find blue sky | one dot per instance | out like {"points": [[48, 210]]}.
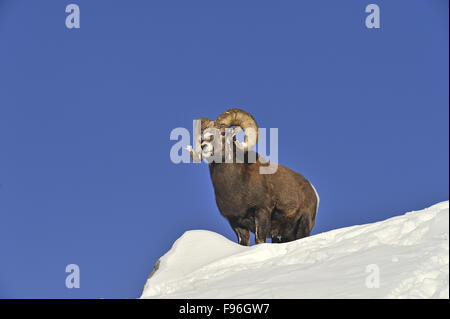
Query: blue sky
{"points": [[86, 114]]}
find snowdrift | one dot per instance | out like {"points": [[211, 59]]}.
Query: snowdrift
{"points": [[402, 257]]}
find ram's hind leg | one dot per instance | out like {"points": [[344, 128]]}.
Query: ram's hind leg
{"points": [[304, 227], [262, 226]]}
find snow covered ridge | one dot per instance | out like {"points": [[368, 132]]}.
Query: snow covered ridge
{"points": [[402, 257]]}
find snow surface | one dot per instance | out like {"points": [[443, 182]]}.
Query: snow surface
{"points": [[407, 255]]}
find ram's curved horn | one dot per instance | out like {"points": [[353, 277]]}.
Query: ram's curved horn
{"points": [[238, 117], [205, 123]]}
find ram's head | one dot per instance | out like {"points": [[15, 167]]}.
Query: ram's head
{"points": [[217, 137]]}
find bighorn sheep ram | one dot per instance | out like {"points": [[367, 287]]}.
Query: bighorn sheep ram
{"points": [[282, 205]]}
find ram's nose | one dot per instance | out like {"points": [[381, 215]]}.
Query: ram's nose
{"points": [[207, 149]]}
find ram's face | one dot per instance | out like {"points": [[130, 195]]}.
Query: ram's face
{"points": [[215, 141], [219, 137], [208, 143]]}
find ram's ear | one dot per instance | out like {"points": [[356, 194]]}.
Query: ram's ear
{"points": [[235, 130]]}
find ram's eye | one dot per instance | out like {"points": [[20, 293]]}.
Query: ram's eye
{"points": [[208, 136]]}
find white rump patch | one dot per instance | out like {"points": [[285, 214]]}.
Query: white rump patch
{"points": [[317, 196]]}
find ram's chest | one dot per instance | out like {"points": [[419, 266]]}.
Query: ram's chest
{"points": [[232, 191], [231, 196]]}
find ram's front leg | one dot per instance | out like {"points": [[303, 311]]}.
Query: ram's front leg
{"points": [[243, 235], [262, 226]]}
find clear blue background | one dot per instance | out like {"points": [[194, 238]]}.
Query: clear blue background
{"points": [[85, 118]]}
